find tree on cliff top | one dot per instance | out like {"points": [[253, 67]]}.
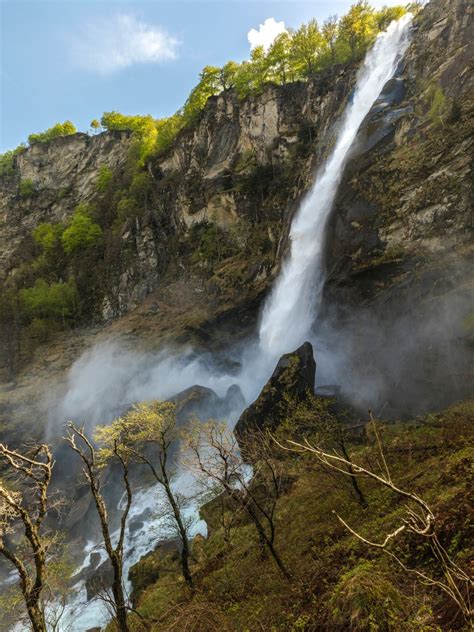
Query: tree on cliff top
{"points": [[60, 129]]}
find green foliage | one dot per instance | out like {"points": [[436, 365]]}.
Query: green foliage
{"points": [[209, 243], [7, 161], [209, 84], [387, 15], [358, 28], [143, 129], [438, 104], [60, 129], [81, 232], [365, 599], [55, 301], [167, 130], [104, 179], [27, 188], [48, 237], [305, 50]]}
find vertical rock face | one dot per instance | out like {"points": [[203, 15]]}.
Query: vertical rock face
{"points": [[238, 168], [63, 172], [214, 232], [406, 192], [294, 377]]}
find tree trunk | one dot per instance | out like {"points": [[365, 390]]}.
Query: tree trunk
{"points": [[355, 484], [119, 597], [185, 551], [36, 615]]}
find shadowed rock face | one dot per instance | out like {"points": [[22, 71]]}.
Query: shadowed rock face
{"points": [[294, 375], [203, 403]]}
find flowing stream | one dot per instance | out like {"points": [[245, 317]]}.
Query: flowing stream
{"points": [[290, 309], [292, 306]]}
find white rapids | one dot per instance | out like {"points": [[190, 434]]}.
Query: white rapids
{"points": [[288, 313]]}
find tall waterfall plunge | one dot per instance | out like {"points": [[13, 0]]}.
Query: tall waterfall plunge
{"points": [[292, 306], [286, 321]]}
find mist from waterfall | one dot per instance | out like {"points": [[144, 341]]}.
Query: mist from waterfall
{"points": [[107, 378], [292, 306]]}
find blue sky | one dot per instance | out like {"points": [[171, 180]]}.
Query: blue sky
{"points": [[75, 59]]}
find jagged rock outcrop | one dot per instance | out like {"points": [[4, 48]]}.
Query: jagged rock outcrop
{"points": [[63, 172], [294, 376], [400, 227], [203, 403], [405, 201]]}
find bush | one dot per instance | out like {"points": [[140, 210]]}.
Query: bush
{"points": [[48, 237], [27, 188], [55, 301], [60, 129], [7, 161], [82, 232], [365, 599], [104, 179], [438, 104], [143, 129]]}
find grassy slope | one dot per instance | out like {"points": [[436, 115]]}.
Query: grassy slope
{"points": [[338, 583]]}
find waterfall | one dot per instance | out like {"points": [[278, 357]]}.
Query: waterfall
{"points": [[286, 321], [293, 304]]}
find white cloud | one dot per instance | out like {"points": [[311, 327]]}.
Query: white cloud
{"points": [[266, 33], [121, 41]]}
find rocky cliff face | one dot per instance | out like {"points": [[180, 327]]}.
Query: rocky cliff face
{"points": [[406, 197], [212, 236], [62, 174]]}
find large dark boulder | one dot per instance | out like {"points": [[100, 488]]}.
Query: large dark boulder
{"points": [[203, 403], [294, 375], [195, 402]]}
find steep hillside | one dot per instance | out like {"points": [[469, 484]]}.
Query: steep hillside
{"points": [[193, 241]]}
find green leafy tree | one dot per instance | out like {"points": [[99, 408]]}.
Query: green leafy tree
{"points": [[228, 74], [253, 74], [82, 232], [306, 46], [104, 179], [278, 58], [330, 33], [209, 84], [387, 15], [60, 129], [7, 160], [358, 28], [95, 125], [143, 129], [48, 237], [167, 130], [55, 301]]}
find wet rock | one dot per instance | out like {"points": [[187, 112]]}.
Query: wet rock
{"points": [[137, 523], [195, 401], [234, 400], [99, 580], [294, 375], [147, 570]]}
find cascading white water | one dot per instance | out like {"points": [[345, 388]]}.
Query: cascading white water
{"points": [[287, 317], [292, 306]]}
